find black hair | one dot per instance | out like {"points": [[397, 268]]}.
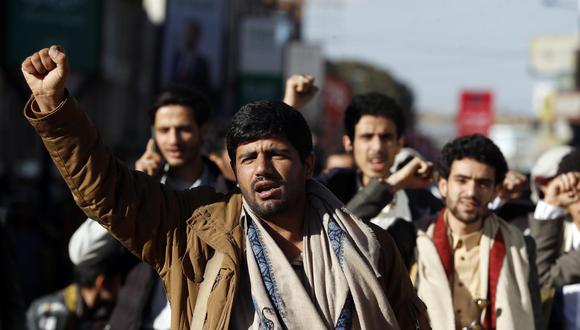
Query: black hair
{"points": [[374, 104], [266, 119], [184, 96], [477, 147], [570, 162]]}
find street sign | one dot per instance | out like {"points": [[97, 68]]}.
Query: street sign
{"points": [[476, 112]]}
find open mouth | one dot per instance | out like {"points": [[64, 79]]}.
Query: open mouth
{"points": [[377, 164], [267, 189]]}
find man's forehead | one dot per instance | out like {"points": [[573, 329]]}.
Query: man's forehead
{"points": [[372, 122], [470, 167], [266, 143], [174, 112]]}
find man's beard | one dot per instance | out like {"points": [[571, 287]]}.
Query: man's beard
{"points": [[268, 211], [467, 218], [268, 208]]}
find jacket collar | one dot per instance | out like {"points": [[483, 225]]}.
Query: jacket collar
{"points": [[218, 225]]}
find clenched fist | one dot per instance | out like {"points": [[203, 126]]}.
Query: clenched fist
{"points": [[416, 174], [563, 190], [299, 90], [46, 72]]}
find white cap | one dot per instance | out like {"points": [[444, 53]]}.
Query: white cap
{"points": [[547, 167], [91, 244]]}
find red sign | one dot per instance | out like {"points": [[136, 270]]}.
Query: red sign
{"points": [[476, 112], [337, 94]]}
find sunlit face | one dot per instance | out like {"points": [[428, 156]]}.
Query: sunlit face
{"points": [[177, 135], [468, 190], [271, 176], [374, 147]]}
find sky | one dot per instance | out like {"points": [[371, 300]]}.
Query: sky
{"points": [[441, 47]]}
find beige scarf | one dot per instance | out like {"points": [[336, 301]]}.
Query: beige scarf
{"points": [[513, 304], [340, 257]]}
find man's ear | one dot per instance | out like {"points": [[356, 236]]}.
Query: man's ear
{"points": [[442, 184], [309, 165], [347, 143]]}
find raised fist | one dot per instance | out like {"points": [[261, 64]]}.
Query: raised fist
{"points": [[46, 72], [416, 174], [563, 190], [300, 90]]}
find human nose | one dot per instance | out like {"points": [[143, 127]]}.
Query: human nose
{"points": [[375, 143], [470, 188], [263, 165], [173, 136]]}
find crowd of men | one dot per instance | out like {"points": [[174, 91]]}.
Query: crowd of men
{"points": [[242, 234]]}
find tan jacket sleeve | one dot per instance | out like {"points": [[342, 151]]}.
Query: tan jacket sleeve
{"points": [[148, 218]]}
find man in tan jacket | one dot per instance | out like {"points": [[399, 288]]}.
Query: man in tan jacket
{"points": [[283, 253]]}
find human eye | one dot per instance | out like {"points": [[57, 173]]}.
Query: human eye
{"points": [[278, 154], [247, 158], [387, 137], [162, 130], [365, 136], [185, 129], [485, 184]]}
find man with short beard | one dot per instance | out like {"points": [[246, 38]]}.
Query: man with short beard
{"points": [[282, 254], [473, 268]]}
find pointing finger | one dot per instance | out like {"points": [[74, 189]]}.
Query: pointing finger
{"points": [[150, 146]]}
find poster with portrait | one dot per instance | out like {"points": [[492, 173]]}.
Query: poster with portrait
{"points": [[193, 44]]}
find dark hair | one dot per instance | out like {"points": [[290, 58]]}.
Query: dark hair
{"points": [[570, 162], [374, 104], [266, 119], [184, 96], [477, 147]]}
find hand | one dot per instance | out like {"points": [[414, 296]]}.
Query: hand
{"points": [[563, 190], [417, 173], [46, 72], [300, 90], [513, 185], [151, 161]]}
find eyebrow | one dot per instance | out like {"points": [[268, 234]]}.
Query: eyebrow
{"points": [[480, 180], [268, 151], [383, 134]]}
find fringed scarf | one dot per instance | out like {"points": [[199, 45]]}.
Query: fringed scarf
{"points": [[340, 256]]}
